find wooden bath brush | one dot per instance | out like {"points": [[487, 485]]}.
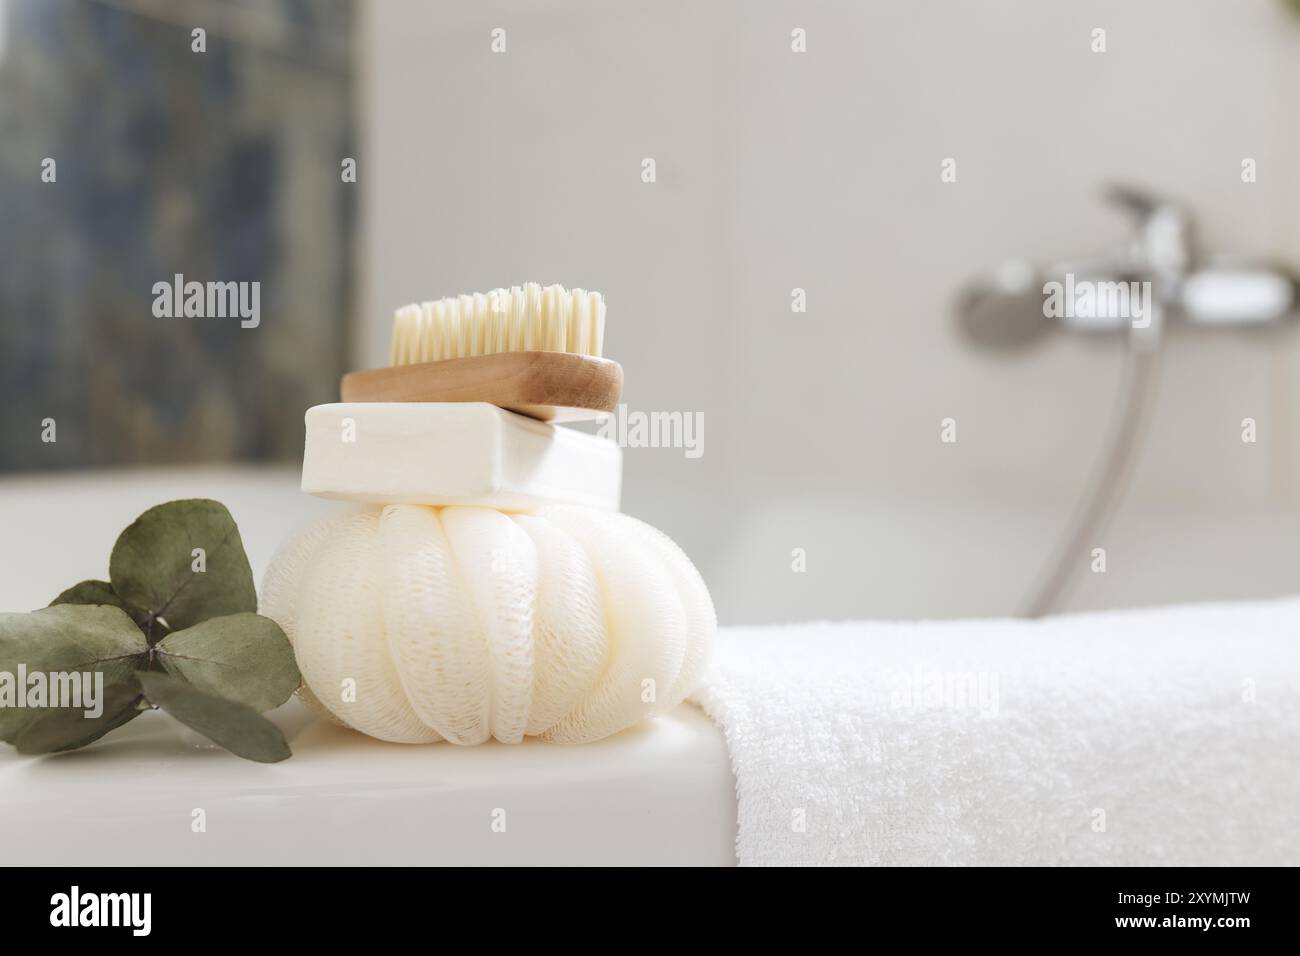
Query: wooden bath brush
{"points": [[529, 349]]}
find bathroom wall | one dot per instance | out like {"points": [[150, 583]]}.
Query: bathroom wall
{"points": [[820, 170]]}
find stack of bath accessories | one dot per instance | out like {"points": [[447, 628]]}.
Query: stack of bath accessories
{"points": [[483, 584]]}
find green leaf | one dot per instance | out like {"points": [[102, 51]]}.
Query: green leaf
{"points": [[240, 729], [91, 592], [152, 563], [65, 638], [67, 728], [241, 657], [101, 592]]}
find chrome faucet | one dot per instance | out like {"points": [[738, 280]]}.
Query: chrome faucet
{"points": [[1011, 308], [1159, 278]]}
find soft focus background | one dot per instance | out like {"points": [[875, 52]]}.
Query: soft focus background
{"points": [[220, 166], [775, 171]]}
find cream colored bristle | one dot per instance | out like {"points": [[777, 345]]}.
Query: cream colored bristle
{"points": [[522, 318]]}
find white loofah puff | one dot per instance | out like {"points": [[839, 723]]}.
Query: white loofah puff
{"points": [[415, 624]]}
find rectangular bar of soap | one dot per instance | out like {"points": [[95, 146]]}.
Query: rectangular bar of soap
{"points": [[455, 453]]}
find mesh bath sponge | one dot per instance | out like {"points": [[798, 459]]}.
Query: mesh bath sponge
{"points": [[416, 624]]}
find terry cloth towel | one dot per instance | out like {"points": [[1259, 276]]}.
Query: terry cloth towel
{"points": [[1165, 736]]}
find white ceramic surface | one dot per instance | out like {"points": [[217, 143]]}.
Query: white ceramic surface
{"points": [[659, 793]]}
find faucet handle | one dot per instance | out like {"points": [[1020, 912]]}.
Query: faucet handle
{"points": [[1163, 245]]}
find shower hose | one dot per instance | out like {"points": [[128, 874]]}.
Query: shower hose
{"points": [[1102, 495]]}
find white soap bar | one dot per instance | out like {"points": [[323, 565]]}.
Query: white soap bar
{"points": [[455, 453]]}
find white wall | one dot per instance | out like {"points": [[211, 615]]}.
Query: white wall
{"points": [[821, 171]]}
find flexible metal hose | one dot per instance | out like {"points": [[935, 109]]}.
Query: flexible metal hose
{"points": [[1097, 504]]}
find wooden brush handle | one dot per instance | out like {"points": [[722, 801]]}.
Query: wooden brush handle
{"points": [[550, 386]]}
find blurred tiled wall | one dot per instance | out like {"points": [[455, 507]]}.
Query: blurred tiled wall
{"points": [[222, 165]]}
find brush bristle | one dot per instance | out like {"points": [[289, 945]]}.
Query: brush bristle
{"points": [[530, 318]]}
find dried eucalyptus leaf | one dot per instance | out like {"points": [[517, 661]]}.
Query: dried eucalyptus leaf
{"points": [[101, 592], [241, 657], [240, 729], [65, 728], [91, 592], [183, 561], [63, 639]]}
